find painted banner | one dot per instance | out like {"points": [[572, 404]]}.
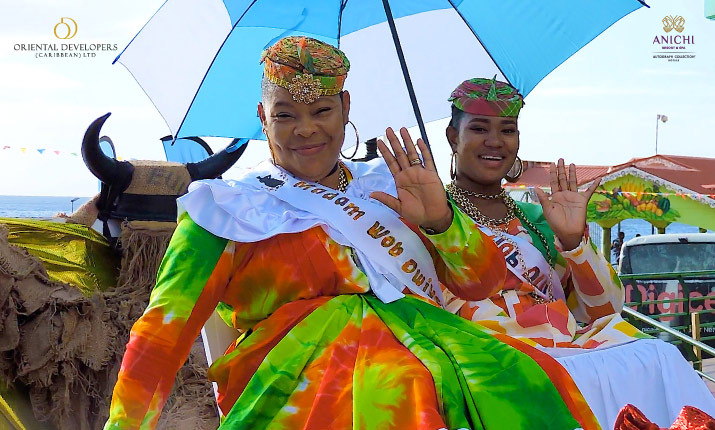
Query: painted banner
{"points": [[631, 196]]}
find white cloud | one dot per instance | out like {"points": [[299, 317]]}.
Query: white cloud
{"points": [[591, 91], [18, 77], [674, 73]]}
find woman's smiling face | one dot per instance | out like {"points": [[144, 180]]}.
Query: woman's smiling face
{"points": [[305, 139], [486, 147]]}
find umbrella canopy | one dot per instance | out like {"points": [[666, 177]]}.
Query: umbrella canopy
{"points": [[198, 61]]}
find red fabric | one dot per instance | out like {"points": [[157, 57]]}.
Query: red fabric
{"points": [[631, 418], [690, 418]]}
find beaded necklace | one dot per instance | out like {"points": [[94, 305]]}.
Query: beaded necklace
{"points": [[343, 179]]}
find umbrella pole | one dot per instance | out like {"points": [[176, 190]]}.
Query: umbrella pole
{"points": [[406, 73]]}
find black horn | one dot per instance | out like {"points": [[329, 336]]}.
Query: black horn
{"points": [[203, 144], [218, 163], [101, 166]]}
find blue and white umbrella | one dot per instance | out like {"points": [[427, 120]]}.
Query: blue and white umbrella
{"points": [[198, 60]]}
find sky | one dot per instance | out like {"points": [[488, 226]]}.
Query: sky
{"points": [[599, 107]]}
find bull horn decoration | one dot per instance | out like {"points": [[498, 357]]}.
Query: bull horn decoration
{"points": [[218, 163], [101, 166]]}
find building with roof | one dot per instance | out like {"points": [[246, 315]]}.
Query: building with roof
{"points": [[659, 189]]}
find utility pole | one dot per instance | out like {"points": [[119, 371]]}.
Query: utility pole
{"points": [[659, 118]]}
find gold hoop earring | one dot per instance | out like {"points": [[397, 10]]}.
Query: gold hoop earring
{"points": [[516, 171], [357, 143], [453, 167]]}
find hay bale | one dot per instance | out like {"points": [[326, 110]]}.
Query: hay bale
{"points": [[67, 347]]}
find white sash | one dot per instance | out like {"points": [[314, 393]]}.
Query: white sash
{"points": [[267, 201], [537, 267]]}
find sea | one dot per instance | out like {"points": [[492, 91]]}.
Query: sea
{"points": [[47, 207], [38, 206]]}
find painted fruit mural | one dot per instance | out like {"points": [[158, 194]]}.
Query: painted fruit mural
{"points": [[633, 199]]}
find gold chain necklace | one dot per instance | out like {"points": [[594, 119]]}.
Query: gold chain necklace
{"points": [[501, 195], [459, 196]]}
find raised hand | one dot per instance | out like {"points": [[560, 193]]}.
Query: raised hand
{"points": [[565, 208], [421, 198]]}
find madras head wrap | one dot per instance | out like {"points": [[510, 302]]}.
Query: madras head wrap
{"points": [[489, 97], [306, 67]]}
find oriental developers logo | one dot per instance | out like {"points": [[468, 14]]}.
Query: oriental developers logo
{"points": [[673, 46], [64, 29]]}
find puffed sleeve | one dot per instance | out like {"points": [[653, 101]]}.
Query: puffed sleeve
{"points": [[190, 283], [595, 289]]}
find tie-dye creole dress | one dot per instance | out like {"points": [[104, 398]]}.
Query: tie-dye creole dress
{"points": [[587, 316], [319, 350], [583, 329]]}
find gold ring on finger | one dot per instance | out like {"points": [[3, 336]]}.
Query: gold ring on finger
{"points": [[415, 162]]}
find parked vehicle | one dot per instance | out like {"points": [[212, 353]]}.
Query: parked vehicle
{"points": [[668, 253], [670, 277]]}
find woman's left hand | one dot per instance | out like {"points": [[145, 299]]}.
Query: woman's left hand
{"points": [[421, 198], [565, 208]]}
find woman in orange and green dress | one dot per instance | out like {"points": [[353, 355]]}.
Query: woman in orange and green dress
{"points": [[338, 300], [549, 287]]}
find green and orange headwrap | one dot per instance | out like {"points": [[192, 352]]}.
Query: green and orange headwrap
{"points": [[489, 97], [306, 67]]}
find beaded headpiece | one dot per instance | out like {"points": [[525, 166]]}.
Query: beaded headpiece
{"points": [[306, 67]]}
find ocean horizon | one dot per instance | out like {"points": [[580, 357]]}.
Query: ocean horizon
{"points": [[50, 206], [38, 206]]}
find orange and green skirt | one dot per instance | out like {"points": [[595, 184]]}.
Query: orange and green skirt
{"points": [[353, 362]]}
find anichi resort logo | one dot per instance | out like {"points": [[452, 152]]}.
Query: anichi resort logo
{"points": [[673, 46], [64, 29], [671, 23]]}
